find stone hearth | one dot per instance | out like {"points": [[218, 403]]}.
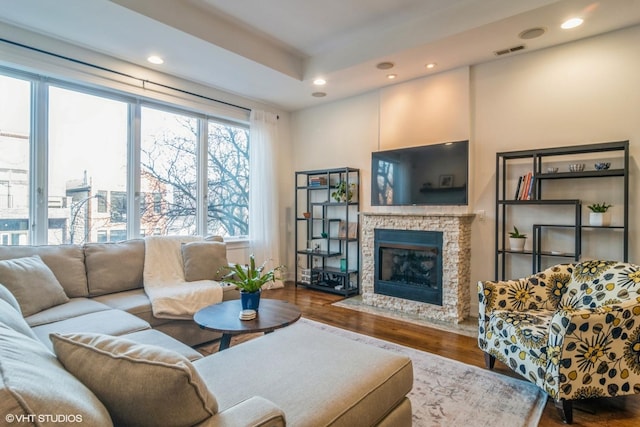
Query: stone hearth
{"points": [[456, 255]]}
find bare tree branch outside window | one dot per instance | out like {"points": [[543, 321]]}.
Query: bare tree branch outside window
{"points": [[170, 178]]}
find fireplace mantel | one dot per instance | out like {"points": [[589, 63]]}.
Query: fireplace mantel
{"points": [[427, 215], [456, 229]]}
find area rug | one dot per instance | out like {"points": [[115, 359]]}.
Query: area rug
{"points": [[450, 393]]}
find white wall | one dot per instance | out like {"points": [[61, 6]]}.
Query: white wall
{"points": [[425, 111], [583, 92]]}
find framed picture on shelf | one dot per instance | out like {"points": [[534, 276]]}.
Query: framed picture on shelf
{"points": [[446, 181], [348, 231]]}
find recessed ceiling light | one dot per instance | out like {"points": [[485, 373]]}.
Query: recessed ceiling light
{"points": [[571, 23], [319, 94], [154, 59], [385, 65], [319, 82], [431, 65], [391, 76], [532, 33]]}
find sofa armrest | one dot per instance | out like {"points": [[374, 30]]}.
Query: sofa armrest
{"points": [[253, 412]]}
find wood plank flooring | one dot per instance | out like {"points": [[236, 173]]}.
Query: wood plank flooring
{"points": [[315, 305]]}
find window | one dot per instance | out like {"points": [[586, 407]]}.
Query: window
{"points": [[118, 235], [169, 171], [157, 203], [87, 149], [107, 178], [15, 122], [101, 198], [228, 180], [118, 206]]}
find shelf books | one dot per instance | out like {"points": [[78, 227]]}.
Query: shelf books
{"points": [[317, 181], [524, 190]]}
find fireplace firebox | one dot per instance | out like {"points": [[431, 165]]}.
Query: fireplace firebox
{"points": [[408, 264]]}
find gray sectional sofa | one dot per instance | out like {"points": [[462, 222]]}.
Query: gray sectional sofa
{"points": [[103, 282], [94, 354]]}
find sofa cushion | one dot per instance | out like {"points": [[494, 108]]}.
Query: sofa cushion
{"points": [[140, 384], [155, 337], [33, 384], [114, 267], [205, 260], [110, 322], [33, 284], [352, 383], [74, 308], [135, 302], [66, 262]]}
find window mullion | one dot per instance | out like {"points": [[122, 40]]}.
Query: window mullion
{"points": [[133, 169], [39, 195], [202, 184]]}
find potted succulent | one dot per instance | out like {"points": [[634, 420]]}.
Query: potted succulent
{"points": [[516, 240], [342, 193], [599, 216], [249, 281]]}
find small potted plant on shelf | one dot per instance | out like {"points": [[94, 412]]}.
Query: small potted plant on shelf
{"points": [[599, 216], [249, 281], [516, 240], [342, 193]]}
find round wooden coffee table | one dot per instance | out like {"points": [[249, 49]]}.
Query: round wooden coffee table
{"points": [[223, 317]]}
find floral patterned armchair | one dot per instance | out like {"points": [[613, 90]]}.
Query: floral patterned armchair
{"points": [[573, 329]]}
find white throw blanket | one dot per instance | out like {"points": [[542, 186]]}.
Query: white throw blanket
{"points": [[164, 281]]}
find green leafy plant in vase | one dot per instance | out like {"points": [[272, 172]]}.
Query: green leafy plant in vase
{"points": [[343, 192], [599, 215], [249, 280], [516, 239]]}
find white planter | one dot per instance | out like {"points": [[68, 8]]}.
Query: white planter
{"points": [[516, 243], [599, 219]]}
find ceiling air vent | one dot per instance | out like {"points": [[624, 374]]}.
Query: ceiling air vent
{"points": [[509, 50]]}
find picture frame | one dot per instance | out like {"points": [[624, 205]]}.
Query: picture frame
{"points": [[348, 231], [446, 181]]}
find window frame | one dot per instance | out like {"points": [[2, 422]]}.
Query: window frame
{"points": [[38, 155]]}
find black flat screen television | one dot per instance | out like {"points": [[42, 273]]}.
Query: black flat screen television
{"points": [[426, 175]]}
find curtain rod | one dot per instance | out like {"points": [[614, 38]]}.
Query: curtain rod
{"points": [[120, 73]]}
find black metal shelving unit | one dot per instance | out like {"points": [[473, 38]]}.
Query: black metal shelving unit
{"points": [[327, 239], [542, 178]]}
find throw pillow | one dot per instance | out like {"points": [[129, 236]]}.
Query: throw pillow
{"points": [[32, 283], [140, 384], [33, 383], [204, 260]]}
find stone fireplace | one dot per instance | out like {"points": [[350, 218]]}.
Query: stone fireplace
{"points": [[423, 268]]}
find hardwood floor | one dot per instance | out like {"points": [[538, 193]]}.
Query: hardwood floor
{"points": [[613, 412]]}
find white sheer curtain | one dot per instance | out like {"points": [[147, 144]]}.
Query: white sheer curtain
{"points": [[264, 225]]}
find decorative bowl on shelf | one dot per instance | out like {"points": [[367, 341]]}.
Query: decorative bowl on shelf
{"points": [[552, 170], [600, 166], [576, 167], [306, 214]]}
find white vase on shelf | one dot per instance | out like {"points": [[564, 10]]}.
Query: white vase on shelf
{"points": [[517, 243], [599, 219]]}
